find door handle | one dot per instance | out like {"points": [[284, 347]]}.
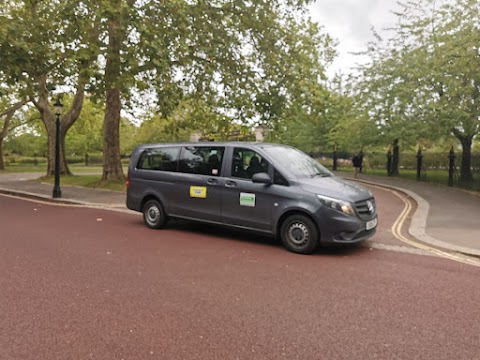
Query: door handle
{"points": [[212, 182], [230, 184]]}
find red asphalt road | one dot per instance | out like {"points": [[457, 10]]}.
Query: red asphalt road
{"points": [[80, 283]]}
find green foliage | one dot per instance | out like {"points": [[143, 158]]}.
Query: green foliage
{"points": [[234, 61], [476, 147], [128, 139], [85, 136], [26, 144], [40, 38], [27, 135], [423, 84]]}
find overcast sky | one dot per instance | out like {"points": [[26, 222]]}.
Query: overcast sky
{"points": [[350, 23]]}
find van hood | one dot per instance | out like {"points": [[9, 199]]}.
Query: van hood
{"points": [[335, 187]]}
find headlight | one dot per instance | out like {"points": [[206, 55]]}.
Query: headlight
{"points": [[336, 204]]}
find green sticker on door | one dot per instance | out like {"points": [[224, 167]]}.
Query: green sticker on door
{"points": [[247, 199]]}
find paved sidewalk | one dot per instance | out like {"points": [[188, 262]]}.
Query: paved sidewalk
{"points": [[445, 217], [24, 184]]}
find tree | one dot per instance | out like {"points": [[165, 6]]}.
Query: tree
{"points": [[423, 82], [45, 45], [352, 129], [242, 59], [229, 55], [292, 100], [456, 81]]}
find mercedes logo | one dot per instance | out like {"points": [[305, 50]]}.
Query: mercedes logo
{"points": [[370, 206]]}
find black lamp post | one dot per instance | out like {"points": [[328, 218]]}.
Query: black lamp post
{"points": [[57, 192]]}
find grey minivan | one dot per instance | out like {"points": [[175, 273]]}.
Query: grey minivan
{"points": [[269, 188]]}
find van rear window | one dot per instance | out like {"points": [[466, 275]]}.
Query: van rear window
{"points": [[163, 159]]}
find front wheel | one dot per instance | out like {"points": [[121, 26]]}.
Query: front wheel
{"points": [[299, 234], [154, 215]]}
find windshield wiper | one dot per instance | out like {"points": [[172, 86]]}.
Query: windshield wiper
{"points": [[320, 174]]}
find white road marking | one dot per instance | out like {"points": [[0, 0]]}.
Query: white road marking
{"points": [[398, 248]]}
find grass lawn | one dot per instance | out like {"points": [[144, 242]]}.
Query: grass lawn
{"points": [[23, 169], [87, 176], [91, 181]]}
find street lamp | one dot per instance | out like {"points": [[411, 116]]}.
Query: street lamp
{"points": [[58, 106]]}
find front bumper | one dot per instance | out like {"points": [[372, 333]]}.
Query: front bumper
{"points": [[336, 228]]}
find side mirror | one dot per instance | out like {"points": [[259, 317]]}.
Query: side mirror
{"points": [[262, 178]]}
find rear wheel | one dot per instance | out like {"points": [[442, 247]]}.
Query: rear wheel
{"points": [[153, 214], [299, 234]]}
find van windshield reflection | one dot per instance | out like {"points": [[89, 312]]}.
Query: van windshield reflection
{"points": [[300, 164]]}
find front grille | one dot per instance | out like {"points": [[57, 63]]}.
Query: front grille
{"points": [[366, 209]]}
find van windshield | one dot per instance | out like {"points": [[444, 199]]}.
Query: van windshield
{"points": [[300, 164]]}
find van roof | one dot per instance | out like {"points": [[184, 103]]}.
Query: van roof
{"points": [[212, 143]]}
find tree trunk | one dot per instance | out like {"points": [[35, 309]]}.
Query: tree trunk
{"points": [[2, 163], [112, 166], [466, 176]]}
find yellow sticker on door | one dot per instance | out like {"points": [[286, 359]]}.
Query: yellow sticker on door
{"points": [[198, 192], [247, 199]]}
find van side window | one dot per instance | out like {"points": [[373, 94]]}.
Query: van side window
{"points": [[246, 163], [163, 159], [201, 160]]}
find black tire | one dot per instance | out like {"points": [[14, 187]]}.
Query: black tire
{"points": [[299, 234], [154, 215]]}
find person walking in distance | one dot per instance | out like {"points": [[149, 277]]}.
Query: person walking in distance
{"points": [[357, 164]]}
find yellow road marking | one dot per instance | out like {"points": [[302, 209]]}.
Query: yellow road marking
{"points": [[397, 232]]}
